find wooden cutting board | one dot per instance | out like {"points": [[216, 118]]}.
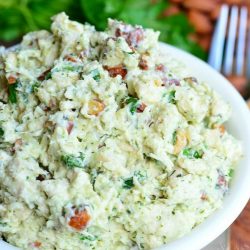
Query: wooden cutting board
{"points": [[240, 231]]}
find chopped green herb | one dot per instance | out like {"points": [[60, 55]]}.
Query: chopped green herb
{"points": [[72, 161], [88, 237], [12, 93], [35, 86], [48, 76], [1, 132], [96, 75], [174, 138], [171, 97], [206, 122], [231, 172], [191, 153], [128, 183], [133, 102], [71, 68]]}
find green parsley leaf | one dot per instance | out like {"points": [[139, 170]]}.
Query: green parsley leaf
{"points": [[35, 86], [174, 139], [128, 183], [133, 102], [88, 237], [72, 161], [1, 132], [96, 75], [231, 172], [191, 153], [12, 93], [171, 97]]}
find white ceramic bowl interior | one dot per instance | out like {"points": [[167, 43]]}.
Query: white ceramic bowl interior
{"points": [[239, 126]]}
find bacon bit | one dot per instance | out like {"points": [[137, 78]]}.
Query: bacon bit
{"points": [[160, 67], [11, 80], [117, 70], [141, 108], [222, 129], [36, 244], [204, 196], [80, 220], [190, 80], [43, 75], [70, 126], [18, 144], [41, 177], [132, 36], [49, 125], [143, 64], [135, 37], [173, 81], [70, 58], [95, 107], [52, 103], [222, 181]]}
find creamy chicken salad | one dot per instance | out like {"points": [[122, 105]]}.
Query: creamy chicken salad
{"points": [[106, 142]]}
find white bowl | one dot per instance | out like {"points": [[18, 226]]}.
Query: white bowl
{"points": [[239, 126]]}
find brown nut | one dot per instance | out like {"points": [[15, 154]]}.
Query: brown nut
{"points": [[215, 12], [240, 83], [201, 5], [171, 10], [181, 141], [204, 42], [201, 22], [95, 107]]}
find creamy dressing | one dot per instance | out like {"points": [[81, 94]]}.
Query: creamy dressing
{"points": [[106, 143]]}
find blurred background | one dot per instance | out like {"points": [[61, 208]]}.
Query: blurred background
{"points": [[187, 24]]}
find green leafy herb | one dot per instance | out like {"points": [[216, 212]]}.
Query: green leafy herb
{"points": [[72, 161], [19, 17], [171, 97], [71, 68], [34, 87], [88, 237], [12, 93], [96, 75], [174, 29], [191, 153], [1, 132], [128, 183], [133, 102], [48, 76], [174, 139], [231, 172]]}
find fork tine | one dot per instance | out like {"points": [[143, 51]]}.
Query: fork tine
{"points": [[241, 42], [218, 40], [231, 38], [248, 55]]}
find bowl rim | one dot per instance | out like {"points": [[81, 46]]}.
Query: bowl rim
{"points": [[233, 203]]}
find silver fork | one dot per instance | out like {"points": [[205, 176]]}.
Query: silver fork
{"points": [[229, 52]]}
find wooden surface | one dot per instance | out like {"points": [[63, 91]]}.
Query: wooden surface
{"points": [[240, 231]]}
